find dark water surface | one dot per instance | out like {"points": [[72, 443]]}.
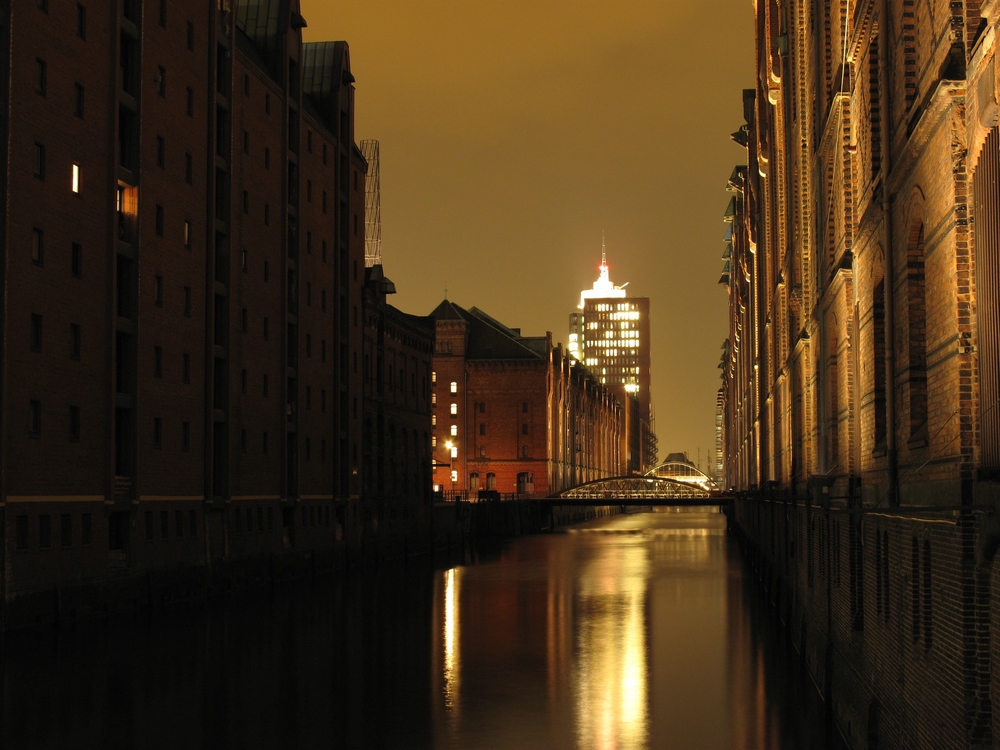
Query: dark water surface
{"points": [[638, 631]]}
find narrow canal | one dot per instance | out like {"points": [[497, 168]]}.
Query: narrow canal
{"points": [[638, 631]]}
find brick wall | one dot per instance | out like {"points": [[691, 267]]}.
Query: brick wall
{"points": [[894, 615]]}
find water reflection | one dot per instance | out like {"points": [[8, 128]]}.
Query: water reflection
{"points": [[609, 674], [451, 655], [633, 632]]}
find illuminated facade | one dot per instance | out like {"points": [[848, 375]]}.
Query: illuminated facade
{"points": [[515, 414], [609, 334], [860, 374]]}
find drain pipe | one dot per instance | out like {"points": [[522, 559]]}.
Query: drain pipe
{"points": [[890, 314]]}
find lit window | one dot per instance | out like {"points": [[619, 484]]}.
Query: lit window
{"points": [[454, 430], [76, 179], [454, 409], [434, 420], [454, 386], [454, 475], [434, 441], [454, 451], [434, 376]]}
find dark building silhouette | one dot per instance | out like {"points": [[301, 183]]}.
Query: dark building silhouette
{"points": [[397, 403], [184, 251]]}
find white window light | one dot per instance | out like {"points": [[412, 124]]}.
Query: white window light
{"points": [[454, 430], [76, 178], [454, 386], [454, 451], [454, 475], [454, 408]]}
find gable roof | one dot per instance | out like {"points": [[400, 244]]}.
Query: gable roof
{"points": [[488, 338]]}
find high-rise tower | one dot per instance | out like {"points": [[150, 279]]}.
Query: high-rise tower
{"points": [[609, 333]]}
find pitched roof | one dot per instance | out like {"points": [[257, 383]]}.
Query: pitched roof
{"points": [[446, 311], [488, 337]]}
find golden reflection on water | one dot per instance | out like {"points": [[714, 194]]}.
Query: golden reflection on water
{"points": [[628, 633], [451, 642], [609, 679]]}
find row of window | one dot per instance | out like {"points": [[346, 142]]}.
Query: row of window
{"points": [[252, 520], [491, 481], [482, 430], [38, 253], [42, 87], [35, 421], [161, 160], [67, 531], [157, 525], [525, 450], [480, 406], [36, 335], [35, 431], [179, 530], [40, 167], [81, 16]]}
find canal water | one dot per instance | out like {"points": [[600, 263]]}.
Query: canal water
{"points": [[637, 631]]}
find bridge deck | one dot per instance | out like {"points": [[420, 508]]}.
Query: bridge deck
{"points": [[686, 502]]}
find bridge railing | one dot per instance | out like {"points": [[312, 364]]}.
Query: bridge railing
{"points": [[480, 496]]}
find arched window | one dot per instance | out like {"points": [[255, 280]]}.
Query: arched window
{"points": [[915, 588], [878, 366], [491, 481], [928, 630], [885, 572], [474, 481], [833, 398], [525, 483], [917, 319], [909, 33]]}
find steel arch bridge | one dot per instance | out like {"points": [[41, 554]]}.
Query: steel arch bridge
{"points": [[638, 490]]}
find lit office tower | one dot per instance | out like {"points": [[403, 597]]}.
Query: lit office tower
{"points": [[610, 335]]}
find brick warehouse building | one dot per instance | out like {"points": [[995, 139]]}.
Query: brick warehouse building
{"points": [[396, 454], [183, 245], [515, 414], [860, 376]]}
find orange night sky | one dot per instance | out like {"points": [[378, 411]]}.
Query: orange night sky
{"points": [[512, 133]]}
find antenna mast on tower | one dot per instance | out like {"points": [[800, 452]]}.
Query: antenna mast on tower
{"points": [[373, 213]]}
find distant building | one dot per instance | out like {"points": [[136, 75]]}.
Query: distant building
{"points": [[515, 414], [610, 335]]}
